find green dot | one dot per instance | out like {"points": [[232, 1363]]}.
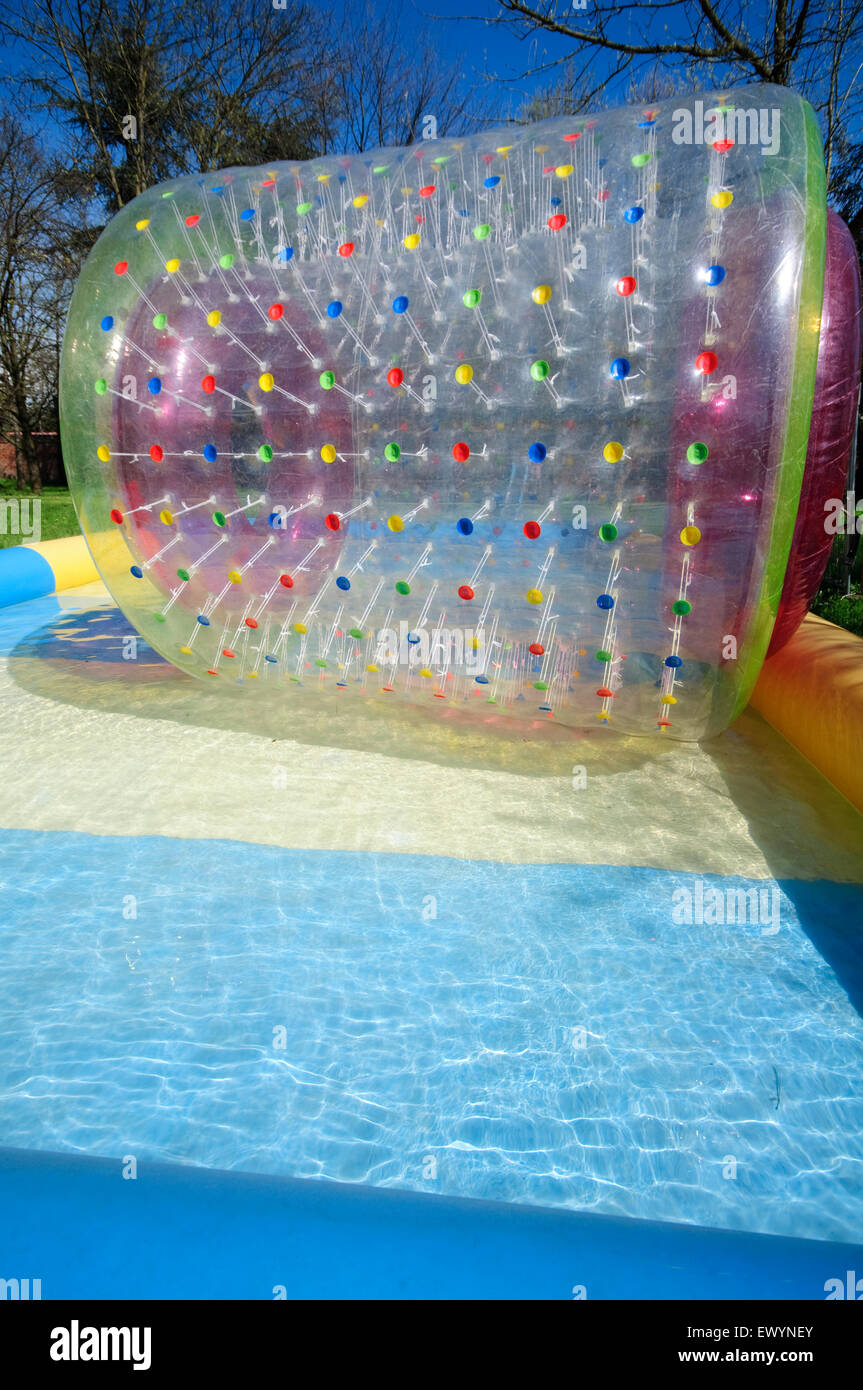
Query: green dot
{"points": [[160, 320], [639, 160], [393, 453], [471, 298], [159, 617], [303, 208], [442, 159], [327, 380], [356, 632], [403, 587], [482, 231], [169, 193], [540, 685], [220, 518], [226, 261], [603, 656], [380, 168], [101, 386], [697, 453], [539, 370], [319, 661], [184, 575], [491, 700], [681, 606], [607, 532], [265, 453]]}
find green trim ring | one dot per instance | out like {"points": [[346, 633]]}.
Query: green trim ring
{"points": [[798, 415]]}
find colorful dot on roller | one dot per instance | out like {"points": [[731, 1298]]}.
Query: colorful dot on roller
{"points": [[395, 523], [157, 453], [723, 199], [160, 321], [639, 160], [603, 655], [220, 519], [539, 370], [116, 516], [697, 452], [286, 581], [327, 380], [471, 298], [107, 323], [605, 602], [534, 596], [714, 275], [356, 633], [464, 374], [402, 587], [334, 308], [411, 241], [633, 214], [674, 662], [537, 453], [154, 385], [332, 521], [460, 452], [203, 620], [392, 453], [620, 368], [343, 583], [668, 700], [208, 384], [464, 525], [608, 531], [557, 221], [482, 231], [690, 535], [103, 453], [210, 453], [706, 362], [395, 376], [532, 530], [541, 294], [346, 249], [235, 576], [536, 649], [681, 607], [626, 286], [328, 453], [265, 453], [275, 312], [166, 517], [184, 575], [613, 452], [465, 592], [266, 381]]}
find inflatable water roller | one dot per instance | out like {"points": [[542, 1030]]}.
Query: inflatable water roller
{"points": [[540, 421]]}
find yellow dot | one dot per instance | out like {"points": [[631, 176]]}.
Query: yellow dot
{"points": [[361, 200], [172, 265], [412, 241], [475, 644], [464, 374], [425, 672], [690, 535], [300, 628], [722, 200], [328, 453], [601, 715], [214, 318], [380, 221], [235, 576], [395, 523], [613, 452], [166, 517], [563, 171], [503, 149], [144, 222], [103, 453], [542, 294], [576, 674], [252, 675], [668, 700], [323, 178], [372, 667], [186, 651], [533, 596], [266, 381]]}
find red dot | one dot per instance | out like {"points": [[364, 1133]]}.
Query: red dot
{"points": [[157, 453], [625, 286], [121, 267], [117, 515], [569, 138], [532, 530], [706, 362], [332, 522], [211, 672], [275, 311], [193, 219], [536, 649], [604, 693], [723, 146], [251, 622], [268, 183], [461, 453], [226, 651], [557, 220], [465, 591], [427, 190], [208, 384], [418, 217], [286, 580], [395, 376], [346, 249]]}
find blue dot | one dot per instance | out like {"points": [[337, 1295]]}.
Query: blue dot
{"points": [[203, 620], [211, 453], [645, 125], [715, 274], [273, 659], [154, 386], [673, 661], [106, 323], [555, 202], [536, 453], [491, 182], [620, 368], [400, 304], [247, 214], [481, 680], [136, 571], [334, 308], [634, 214], [413, 638], [286, 253], [276, 520], [465, 525], [218, 189], [462, 212], [343, 582], [605, 601]]}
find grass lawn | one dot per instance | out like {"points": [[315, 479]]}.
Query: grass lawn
{"points": [[58, 514]]}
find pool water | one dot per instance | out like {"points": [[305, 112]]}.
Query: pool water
{"points": [[269, 949]]}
